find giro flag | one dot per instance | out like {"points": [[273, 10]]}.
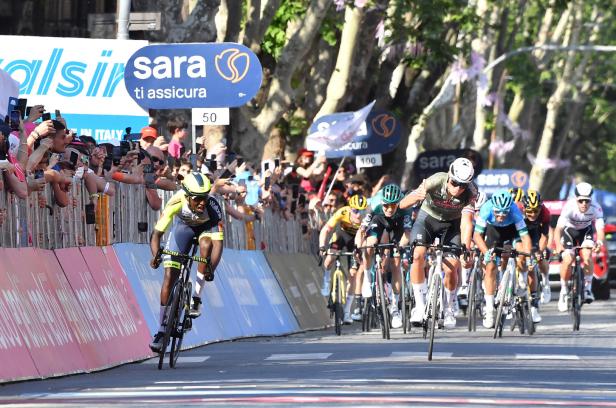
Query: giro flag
{"points": [[208, 75], [338, 134]]}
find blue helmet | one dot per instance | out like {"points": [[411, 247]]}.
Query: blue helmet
{"points": [[391, 194], [502, 200]]}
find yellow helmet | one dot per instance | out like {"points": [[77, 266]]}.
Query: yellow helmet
{"points": [[196, 184], [532, 200], [358, 202], [517, 194]]}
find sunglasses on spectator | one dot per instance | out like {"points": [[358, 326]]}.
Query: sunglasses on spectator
{"points": [[157, 160], [583, 201], [456, 184]]}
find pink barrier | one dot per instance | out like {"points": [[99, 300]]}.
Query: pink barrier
{"points": [[133, 332], [14, 355], [39, 315]]}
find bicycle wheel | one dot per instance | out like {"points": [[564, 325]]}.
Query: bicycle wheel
{"points": [[403, 287], [382, 307], [178, 336], [530, 325], [471, 309], [520, 316], [435, 295], [337, 296], [172, 318], [576, 297], [500, 317]]}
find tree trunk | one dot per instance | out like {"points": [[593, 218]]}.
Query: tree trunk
{"points": [[293, 54], [234, 20], [538, 171], [338, 82]]}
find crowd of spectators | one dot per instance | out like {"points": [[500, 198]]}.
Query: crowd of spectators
{"points": [[40, 151]]}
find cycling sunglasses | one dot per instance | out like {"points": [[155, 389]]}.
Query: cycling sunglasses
{"points": [[501, 213], [532, 212], [200, 199], [583, 201], [456, 184]]}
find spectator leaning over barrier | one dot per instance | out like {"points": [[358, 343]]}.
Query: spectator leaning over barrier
{"points": [[9, 166]]}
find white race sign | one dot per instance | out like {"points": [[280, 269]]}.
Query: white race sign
{"points": [[369, 160], [210, 116]]}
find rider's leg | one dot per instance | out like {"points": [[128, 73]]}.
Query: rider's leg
{"points": [[327, 271], [451, 264], [587, 268]]}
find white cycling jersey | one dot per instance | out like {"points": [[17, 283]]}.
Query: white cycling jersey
{"points": [[572, 217]]}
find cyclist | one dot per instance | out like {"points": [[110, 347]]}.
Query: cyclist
{"points": [[574, 228], [192, 213], [517, 194], [463, 291], [344, 225], [388, 224], [537, 218], [502, 223], [447, 212]]}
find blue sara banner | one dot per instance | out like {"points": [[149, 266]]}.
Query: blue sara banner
{"points": [[490, 181], [200, 75], [380, 133]]}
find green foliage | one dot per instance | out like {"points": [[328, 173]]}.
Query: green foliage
{"points": [[332, 26], [275, 37]]}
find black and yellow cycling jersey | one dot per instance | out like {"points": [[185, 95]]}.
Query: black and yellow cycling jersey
{"points": [[342, 217]]}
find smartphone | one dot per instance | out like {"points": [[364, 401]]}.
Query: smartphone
{"points": [[28, 109], [21, 106], [39, 174], [250, 178], [226, 174], [212, 165], [73, 158], [193, 160], [125, 147], [58, 115], [265, 166], [240, 161], [90, 214], [46, 116], [116, 155], [276, 162], [14, 119], [267, 183], [107, 163]]}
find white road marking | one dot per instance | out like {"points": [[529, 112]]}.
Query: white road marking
{"points": [[181, 360], [546, 357], [302, 356], [420, 354]]}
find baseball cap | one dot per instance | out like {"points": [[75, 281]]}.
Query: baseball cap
{"points": [[304, 152], [149, 132]]}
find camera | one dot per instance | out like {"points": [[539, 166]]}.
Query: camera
{"points": [[116, 155], [107, 163], [73, 158]]}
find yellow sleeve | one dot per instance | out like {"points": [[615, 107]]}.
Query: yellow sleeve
{"points": [[336, 218], [173, 206]]}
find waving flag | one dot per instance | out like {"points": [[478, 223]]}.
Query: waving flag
{"points": [[340, 133], [9, 92]]}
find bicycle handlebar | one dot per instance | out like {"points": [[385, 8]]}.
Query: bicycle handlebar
{"points": [[511, 251], [180, 255]]}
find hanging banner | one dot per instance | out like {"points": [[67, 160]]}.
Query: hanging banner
{"points": [[200, 75], [378, 133], [490, 181], [435, 161]]}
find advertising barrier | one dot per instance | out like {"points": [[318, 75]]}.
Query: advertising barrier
{"points": [[300, 278]]}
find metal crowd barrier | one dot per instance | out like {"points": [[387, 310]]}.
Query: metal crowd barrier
{"points": [[126, 217]]}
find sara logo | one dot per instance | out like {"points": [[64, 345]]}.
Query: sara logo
{"points": [[227, 65], [383, 125], [209, 75], [519, 178]]}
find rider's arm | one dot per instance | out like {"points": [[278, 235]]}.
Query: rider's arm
{"points": [[414, 196], [466, 228], [324, 235], [480, 229], [155, 241]]}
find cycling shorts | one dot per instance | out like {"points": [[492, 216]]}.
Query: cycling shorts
{"points": [[501, 236], [181, 238], [427, 228], [573, 237]]}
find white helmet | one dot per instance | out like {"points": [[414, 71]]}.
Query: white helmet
{"points": [[480, 200], [583, 190], [461, 170]]}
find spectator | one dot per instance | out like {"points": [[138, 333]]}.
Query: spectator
{"points": [[148, 136], [177, 129]]}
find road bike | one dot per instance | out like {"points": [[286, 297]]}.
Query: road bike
{"points": [[377, 306], [337, 290], [474, 309], [435, 300], [177, 320], [575, 289], [511, 301]]}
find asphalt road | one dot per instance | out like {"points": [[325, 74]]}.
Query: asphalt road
{"points": [[555, 367]]}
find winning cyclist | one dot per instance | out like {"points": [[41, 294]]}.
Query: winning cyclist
{"points": [[344, 225], [194, 213], [389, 224], [574, 228], [537, 218], [447, 212], [502, 223]]}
